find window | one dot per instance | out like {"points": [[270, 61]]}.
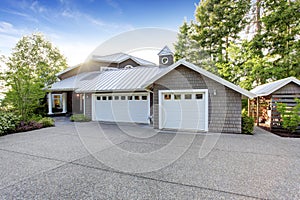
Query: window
{"points": [[136, 97], [116, 97], [129, 97], [109, 97], [177, 96], [167, 96], [123, 98], [57, 101], [104, 98], [199, 96], [144, 97], [187, 96], [98, 98]]}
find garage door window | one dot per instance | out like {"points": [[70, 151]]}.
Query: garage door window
{"points": [[129, 97], [109, 97], [188, 96], [199, 96], [98, 98], [123, 98], [116, 97], [104, 98], [167, 97], [177, 96], [136, 97], [144, 98]]}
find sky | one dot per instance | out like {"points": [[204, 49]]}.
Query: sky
{"points": [[77, 27]]}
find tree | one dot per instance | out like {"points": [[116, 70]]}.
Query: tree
{"points": [[280, 37], [219, 23], [182, 44], [31, 68]]}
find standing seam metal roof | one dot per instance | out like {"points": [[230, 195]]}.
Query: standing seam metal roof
{"points": [[269, 88]]}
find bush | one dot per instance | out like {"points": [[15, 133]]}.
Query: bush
{"points": [[79, 118], [247, 124], [290, 117], [28, 126], [46, 122], [8, 122]]}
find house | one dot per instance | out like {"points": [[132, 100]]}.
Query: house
{"points": [[123, 88], [264, 107]]}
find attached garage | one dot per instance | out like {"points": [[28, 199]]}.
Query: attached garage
{"points": [[183, 109], [126, 107]]}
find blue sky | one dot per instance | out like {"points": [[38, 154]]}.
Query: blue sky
{"points": [[76, 27]]}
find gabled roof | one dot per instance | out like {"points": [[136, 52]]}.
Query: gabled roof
{"points": [[113, 58], [111, 80], [269, 88], [131, 79], [121, 57], [72, 83], [203, 72], [165, 51]]}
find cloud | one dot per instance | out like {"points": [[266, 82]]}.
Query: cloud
{"points": [[115, 5], [36, 7], [21, 14]]}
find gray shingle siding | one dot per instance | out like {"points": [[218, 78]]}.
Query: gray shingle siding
{"points": [[224, 107], [290, 88], [88, 105]]}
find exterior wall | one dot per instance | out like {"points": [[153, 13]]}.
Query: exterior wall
{"points": [[224, 109], [290, 88], [128, 62], [88, 105]]}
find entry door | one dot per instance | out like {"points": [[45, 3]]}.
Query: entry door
{"points": [[186, 110], [122, 108]]}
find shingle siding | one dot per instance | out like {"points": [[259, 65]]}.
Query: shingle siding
{"points": [[290, 88], [88, 105], [224, 106]]}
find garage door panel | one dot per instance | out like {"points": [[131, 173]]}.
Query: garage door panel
{"points": [[183, 113], [122, 110]]}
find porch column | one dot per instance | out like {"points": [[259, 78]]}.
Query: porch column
{"points": [[64, 102], [50, 103]]}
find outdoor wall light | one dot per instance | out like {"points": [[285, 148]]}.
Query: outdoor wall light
{"points": [[215, 92]]}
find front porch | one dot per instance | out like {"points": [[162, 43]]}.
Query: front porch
{"points": [[65, 103]]}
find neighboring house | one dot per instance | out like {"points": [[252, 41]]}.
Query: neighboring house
{"points": [[264, 109], [123, 88]]}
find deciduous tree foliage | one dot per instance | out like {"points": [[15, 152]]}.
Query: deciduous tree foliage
{"points": [[31, 68]]}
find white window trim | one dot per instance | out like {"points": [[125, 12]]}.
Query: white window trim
{"points": [[160, 99], [60, 100]]}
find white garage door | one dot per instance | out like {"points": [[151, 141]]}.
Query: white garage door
{"points": [[121, 108], [187, 110]]}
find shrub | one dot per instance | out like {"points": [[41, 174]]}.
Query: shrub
{"points": [[28, 126], [79, 118], [290, 117], [247, 123], [46, 122], [8, 122]]}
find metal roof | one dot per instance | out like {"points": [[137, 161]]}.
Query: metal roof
{"points": [[120, 80], [165, 51], [74, 82], [130, 79], [121, 57], [203, 72], [269, 88]]}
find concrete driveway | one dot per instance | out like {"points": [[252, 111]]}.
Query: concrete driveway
{"points": [[105, 161]]}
